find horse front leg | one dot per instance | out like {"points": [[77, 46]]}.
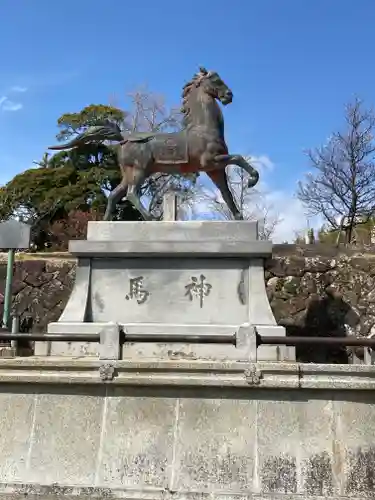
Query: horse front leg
{"points": [[242, 163]]}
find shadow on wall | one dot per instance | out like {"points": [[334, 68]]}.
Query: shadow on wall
{"points": [[25, 347], [327, 316]]}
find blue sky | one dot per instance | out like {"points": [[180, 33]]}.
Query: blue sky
{"points": [[292, 64]]}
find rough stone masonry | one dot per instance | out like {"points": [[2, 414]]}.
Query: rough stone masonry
{"points": [[313, 290]]}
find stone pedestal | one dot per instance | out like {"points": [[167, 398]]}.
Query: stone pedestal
{"points": [[175, 277]]}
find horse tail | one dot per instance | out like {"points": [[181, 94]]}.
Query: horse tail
{"points": [[107, 131]]}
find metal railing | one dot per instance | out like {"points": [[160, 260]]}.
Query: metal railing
{"points": [[349, 341], [112, 337], [124, 337], [201, 338]]}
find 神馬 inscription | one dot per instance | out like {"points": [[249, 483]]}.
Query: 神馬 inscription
{"points": [[198, 288], [137, 290]]}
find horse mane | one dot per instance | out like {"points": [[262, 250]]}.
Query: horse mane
{"points": [[188, 87]]}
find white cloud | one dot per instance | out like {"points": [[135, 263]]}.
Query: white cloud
{"points": [[283, 205], [8, 105], [17, 88], [262, 163], [292, 214]]}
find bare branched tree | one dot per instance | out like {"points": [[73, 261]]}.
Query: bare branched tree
{"points": [[253, 203], [342, 186], [149, 113]]}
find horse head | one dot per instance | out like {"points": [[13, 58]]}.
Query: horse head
{"points": [[213, 85]]}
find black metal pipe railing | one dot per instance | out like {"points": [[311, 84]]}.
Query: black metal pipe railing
{"points": [[128, 337], [202, 338], [322, 341], [55, 337]]}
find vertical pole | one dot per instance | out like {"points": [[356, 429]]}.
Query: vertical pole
{"points": [[8, 288], [15, 329], [170, 208]]}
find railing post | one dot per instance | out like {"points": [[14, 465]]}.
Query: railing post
{"points": [[170, 206], [110, 346], [8, 288], [246, 341], [15, 329], [368, 356]]}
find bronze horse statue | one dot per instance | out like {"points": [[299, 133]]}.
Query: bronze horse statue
{"points": [[199, 147]]}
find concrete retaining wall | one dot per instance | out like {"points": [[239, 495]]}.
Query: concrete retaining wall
{"points": [[186, 429]]}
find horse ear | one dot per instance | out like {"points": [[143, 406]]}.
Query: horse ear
{"points": [[203, 70]]}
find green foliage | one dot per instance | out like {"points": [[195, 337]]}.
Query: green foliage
{"points": [[299, 240], [361, 234], [328, 236], [38, 190], [71, 124], [67, 181], [78, 180]]}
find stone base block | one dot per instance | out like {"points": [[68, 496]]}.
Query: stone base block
{"points": [[169, 276]]}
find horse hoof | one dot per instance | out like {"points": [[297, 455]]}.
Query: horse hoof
{"points": [[253, 181], [238, 217], [149, 218]]}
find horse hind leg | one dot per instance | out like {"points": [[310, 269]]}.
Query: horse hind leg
{"points": [[114, 197], [136, 176], [219, 178], [128, 188], [133, 198]]}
